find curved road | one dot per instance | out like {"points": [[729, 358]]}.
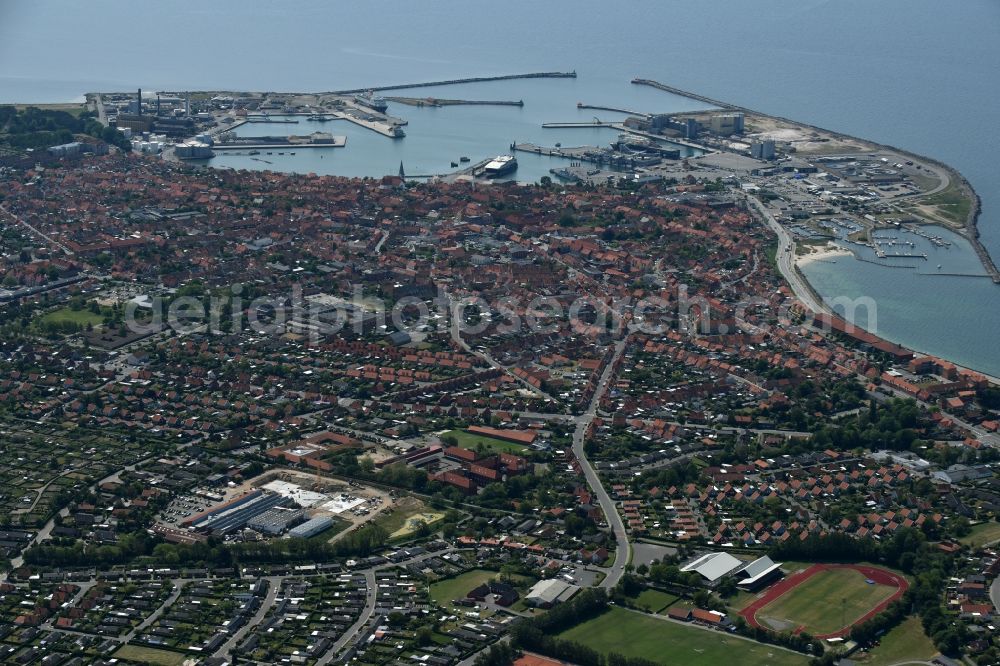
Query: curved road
{"points": [[786, 260], [604, 500]]}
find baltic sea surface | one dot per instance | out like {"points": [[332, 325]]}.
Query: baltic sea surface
{"points": [[917, 74]]}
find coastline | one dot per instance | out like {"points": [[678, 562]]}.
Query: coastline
{"points": [[793, 275], [828, 254], [969, 230]]}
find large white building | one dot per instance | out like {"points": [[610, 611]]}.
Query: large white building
{"points": [[549, 592], [713, 566]]}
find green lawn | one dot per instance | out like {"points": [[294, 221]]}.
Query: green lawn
{"points": [[982, 534], [907, 642], [443, 591], [469, 441], [81, 317], [826, 602], [146, 655], [654, 601], [636, 635], [456, 587], [740, 600], [951, 203]]}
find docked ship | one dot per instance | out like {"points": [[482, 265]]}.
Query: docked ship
{"points": [[372, 101], [627, 142], [500, 165]]}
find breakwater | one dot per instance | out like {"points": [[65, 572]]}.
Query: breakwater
{"points": [[970, 227], [435, 101], [452, 82]]}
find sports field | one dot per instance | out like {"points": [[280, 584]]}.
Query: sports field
{"points": [[825, 600], [667, 642], [468, 440]]}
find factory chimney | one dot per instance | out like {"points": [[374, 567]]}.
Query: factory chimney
{"points": [[187, 105], [138, 102], [157, 104]]}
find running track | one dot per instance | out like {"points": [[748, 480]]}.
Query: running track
{"points": [[880, 576]]}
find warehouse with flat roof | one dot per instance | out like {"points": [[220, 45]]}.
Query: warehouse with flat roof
{"points": [[276, 520], [311, 527]]}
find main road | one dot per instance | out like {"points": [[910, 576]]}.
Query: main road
{"points": [[785, 258], [623, 552], [995, 593]]}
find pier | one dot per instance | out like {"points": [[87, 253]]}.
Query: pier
{"points": [[437, 102], [656, 137], [452, 82], [388, 129], [685, 93], [590, 154], [576, 125], [265, 119], [581, 105], [282, 143]]}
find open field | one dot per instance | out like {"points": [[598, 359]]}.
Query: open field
{"points": [[907, 642], [982, 534], [69, 107], [412, 523], [664, 641], [401, 520], [950, 206], [444, 591], [825, 599], [654, 601], [469, 441], [145, 655], [80, 317]]}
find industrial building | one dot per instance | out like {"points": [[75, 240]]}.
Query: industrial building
{"points": [[311, 527], [762, 150], [724, 124], [276, 520], [191, 150], [235, 515]]}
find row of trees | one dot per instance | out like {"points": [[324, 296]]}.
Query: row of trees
{"points": [[142, 547]]}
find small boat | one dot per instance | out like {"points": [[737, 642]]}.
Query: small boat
{"points": [[463, 159], [254, 152], [454, 164]]}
